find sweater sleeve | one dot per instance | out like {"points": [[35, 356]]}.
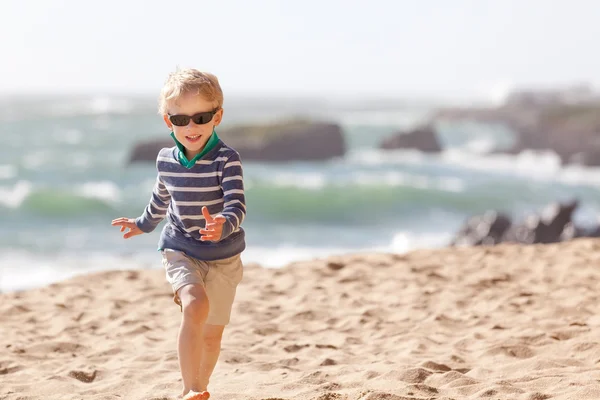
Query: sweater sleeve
{"points": [[156, 210], [234, 207]]}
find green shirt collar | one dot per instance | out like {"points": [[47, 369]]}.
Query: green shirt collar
{"points": [[212, 142]]}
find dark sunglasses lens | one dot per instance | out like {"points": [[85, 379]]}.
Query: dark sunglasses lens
{"points": [[180, 120], [202, 118]]}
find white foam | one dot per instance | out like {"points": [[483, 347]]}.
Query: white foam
{"points": [[532, 164], [104, 190], [392, 178], [374, 157], [399, 178], [404, 241], [578, 175], [474, 137], [311, 180], [535, 165], [13, 197], [21, 271]]}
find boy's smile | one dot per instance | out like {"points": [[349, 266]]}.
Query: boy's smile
{"points": [[193, 139]]}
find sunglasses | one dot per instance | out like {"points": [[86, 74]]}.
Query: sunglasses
{"points": [[199, 119]]}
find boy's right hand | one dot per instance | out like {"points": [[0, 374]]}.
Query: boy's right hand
{"points": [[129, 223]]}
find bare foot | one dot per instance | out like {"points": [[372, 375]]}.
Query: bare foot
{"points": [[197, 395]]}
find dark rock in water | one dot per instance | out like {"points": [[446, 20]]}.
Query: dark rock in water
{"points": [[486, 229], [287, 141], [555, 218], [573, 132], [547, 227], [423, 138], [553, 224], [148, 150]]}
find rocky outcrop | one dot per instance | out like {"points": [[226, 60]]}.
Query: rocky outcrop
{"points": [[423, 139], [486, 229], [545, 227], [572, 131], [147, 150], [279, 142], [554, 224]]}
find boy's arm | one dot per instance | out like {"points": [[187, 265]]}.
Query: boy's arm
{"points": [[156, 210], [234, 207]]}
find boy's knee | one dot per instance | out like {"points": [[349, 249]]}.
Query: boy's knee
{"points": [[194, 303]]}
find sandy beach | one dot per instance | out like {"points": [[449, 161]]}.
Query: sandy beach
{"points": [[505, 322]]}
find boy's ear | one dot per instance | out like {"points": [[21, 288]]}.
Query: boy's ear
{"points": [[218, 117], [166, 118]]}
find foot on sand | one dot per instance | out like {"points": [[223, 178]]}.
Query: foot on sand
{"points": [[197, 396]]}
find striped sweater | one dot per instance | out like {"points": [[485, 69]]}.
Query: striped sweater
{"points": [[182, 188]]}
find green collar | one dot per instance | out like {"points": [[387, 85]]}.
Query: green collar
{"points": [[212, 142]]}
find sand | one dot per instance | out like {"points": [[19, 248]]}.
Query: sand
{"points": [[506, 322]]}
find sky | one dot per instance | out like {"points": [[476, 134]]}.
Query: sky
{"points": [[401, 48]]}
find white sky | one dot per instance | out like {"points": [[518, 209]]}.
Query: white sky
{"points": [[402, 48]]}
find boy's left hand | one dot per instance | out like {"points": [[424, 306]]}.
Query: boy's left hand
{"points": [[213, 228]]}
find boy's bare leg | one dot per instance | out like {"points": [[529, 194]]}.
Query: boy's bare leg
{"points": [[211, 348], [195, 311]]}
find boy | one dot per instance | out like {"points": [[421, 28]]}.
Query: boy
{"points": [[200, 190]]}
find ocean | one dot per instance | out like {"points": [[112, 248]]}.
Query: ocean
{"points": [[64, 176]]}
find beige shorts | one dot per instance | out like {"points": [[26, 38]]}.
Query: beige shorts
{"points": [[220, 279]]}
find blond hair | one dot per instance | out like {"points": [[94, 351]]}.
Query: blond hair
{"points": [[190, 80]]}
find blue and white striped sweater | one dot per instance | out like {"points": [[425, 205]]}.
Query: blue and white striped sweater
{"points": [[180, 192]]}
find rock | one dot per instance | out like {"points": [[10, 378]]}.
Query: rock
{"points": [[296, 140], [148, 150], [423, 138], [553, 224], [486, 229], [547, 227], [556, 216], [572, 131]]}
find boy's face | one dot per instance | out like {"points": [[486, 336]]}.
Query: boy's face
{"points": [[192, 136]]}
